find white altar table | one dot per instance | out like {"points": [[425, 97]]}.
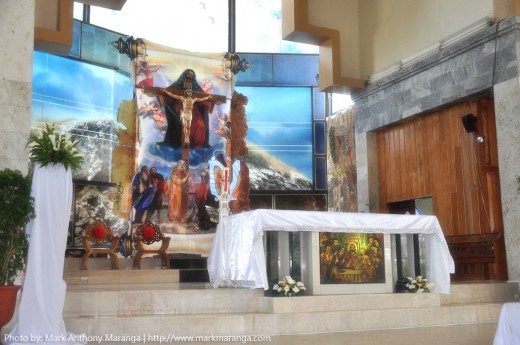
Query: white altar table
{"points": [[237, 254]]}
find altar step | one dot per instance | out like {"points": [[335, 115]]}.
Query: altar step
{"points": [[168, 307], [189, 268], [192, 268]]}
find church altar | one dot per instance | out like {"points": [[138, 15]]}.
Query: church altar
{"points": [[237, 255]]}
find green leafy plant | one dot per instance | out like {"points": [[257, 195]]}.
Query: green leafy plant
{"points": [[53, 148], [16, 210]]}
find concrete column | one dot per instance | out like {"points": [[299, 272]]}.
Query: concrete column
{"points": [[16, 45], [507, 112]]}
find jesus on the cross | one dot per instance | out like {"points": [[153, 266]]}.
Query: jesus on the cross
{"points": [[187, 107]]}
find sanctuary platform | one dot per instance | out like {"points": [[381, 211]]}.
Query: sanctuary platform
{"points": [[152, 303]]}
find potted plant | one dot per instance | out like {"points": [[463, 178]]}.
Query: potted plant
{"points": [[16, 209], [41, 305]]}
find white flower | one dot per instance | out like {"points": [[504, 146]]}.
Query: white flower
{"points": [[418, 284], [58, 144], [68, 143], [289, 286]]}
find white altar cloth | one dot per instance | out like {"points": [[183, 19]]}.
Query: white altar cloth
{"points": [[237, 254], [508, 330]]}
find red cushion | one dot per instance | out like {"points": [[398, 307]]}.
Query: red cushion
{"points": [[148, 233], [99, 231]]}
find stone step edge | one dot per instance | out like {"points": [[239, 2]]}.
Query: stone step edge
{"points": [[263, 323]]}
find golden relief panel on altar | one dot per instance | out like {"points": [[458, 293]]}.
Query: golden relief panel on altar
{"points": [[349, 258]]}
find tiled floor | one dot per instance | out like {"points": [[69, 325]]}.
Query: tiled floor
{"points": [[472, 334]]}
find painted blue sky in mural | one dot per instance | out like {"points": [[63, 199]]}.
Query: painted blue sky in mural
{"points": [[279, 119], [65, 90]]}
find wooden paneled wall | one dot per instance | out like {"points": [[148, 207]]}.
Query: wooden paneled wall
{"points": [[433, 155]]}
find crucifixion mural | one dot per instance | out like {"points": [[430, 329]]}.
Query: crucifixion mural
{"points": [[184, 120]]}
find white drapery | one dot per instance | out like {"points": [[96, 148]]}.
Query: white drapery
{"points": [[508, 330], [40, 318], [237, 254]]}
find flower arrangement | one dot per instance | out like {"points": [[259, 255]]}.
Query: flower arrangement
{"points": [[418, 284], [289, 287], [53, 148]]}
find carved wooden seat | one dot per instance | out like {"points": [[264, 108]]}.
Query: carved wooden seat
{"points": [[474, 256], [149, 233], [98, 239]]}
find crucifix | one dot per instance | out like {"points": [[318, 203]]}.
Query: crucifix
{"points": [[187, 107], [186, 111], [223, 181]]}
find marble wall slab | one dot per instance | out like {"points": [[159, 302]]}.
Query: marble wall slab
{"points": [[16, 44]]}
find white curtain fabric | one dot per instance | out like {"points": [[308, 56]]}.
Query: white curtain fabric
{"points": [[237, 256], [40, 317]]}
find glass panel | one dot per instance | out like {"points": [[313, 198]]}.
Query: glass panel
{"points": [[194, 25], [271, 254], [340, 102], [123, 89], [319, 138], [75, 50], [319, 104], [260, 72], [258, 26], [261, 201], [95, 47], [82, 99], [78, 11], [76, 90], [280, 136], [259, 29], [296, 69], [299, 48], [307, 202], [295, 256], [321, 173]]}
